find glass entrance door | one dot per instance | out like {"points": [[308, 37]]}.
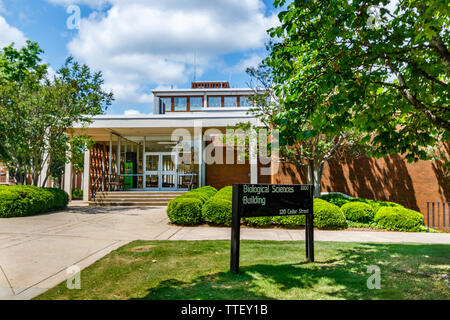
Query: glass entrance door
{"points": [[160, 171]]}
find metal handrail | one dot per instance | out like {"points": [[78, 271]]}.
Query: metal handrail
{"points": [[94, 191], [106, 184]]}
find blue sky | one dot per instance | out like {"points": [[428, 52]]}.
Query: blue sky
{"points": [[140, 45]]}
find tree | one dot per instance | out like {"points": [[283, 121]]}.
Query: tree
{"points": [[304, 142], [36, 112], [388, 71]]}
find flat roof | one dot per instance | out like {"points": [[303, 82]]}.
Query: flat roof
{"points": [[210, 90]]}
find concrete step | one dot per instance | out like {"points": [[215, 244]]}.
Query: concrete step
{"points": [[127, 204], [133, 200], [142, 192], [135, 196]]}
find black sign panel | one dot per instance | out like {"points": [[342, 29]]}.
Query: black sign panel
{"points": [[257, 200]]}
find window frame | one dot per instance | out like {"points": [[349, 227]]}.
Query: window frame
{"points": [[247, 97], [235, 97], [189, 103], [221, 101], [180, 97]]}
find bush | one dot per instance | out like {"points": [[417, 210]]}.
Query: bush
{"points": [[217, 210], [185, 211], [328, 215], [225, 193], [258, 221], [208, 190], [77, 193], [290, 221], [20, 201], [358, 211], [377, 204], [203, 197], [398, 219]]}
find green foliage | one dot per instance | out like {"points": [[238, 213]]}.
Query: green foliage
{"points": [[208, 190], [335, 69], [328, 215], [20, 201], [289, 221], [258, 221], [203, 197], [398, 219], [36, 111], [358, 211], [185, 211], [77, 193], [340, 200], [225, 192], [217, 210], [188, 202], [335, 198]]}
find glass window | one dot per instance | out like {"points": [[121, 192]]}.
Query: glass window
{"points": [[230, 102], [195, 103], [180, 104], [166, 103], [245, 102], [214, 102]]}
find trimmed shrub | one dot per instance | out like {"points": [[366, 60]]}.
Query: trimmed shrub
{"points": [[358, 211], [225, 193], [217, 210], [258, 221], [328, 215], [20, 201], [203, 197], [208, 190], [335, 198], [290, 221], [185, 211], [398, 219], [77, 193], [377, 204]]}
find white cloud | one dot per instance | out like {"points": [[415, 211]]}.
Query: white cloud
{"points": [[10, 34], [138, 43], [91, 3], [249, 61]]}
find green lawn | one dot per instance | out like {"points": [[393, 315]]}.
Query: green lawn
{"points": [[269, 270]]}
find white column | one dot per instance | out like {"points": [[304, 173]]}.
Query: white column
{"points": [[86, 174], [7, 176], [198, 134], [253, 157], [68, 179]]}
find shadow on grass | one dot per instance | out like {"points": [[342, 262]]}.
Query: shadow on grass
{"points": [[342, 276]]}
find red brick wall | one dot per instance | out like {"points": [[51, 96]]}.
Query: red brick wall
{"points": [[390, 178]]}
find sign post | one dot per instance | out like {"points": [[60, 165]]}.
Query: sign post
{"points": [[257, 200]]}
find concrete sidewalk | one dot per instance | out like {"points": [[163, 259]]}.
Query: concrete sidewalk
{"points": [[35, 252]]}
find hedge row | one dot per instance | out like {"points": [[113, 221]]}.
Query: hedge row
{"points": [[189, 209], [380, 214], [20, 201], [186, 209]]}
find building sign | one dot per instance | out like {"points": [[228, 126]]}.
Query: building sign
{"points": [[258, 200]]}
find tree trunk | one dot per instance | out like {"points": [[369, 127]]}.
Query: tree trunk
{"points": [[315, 176]]}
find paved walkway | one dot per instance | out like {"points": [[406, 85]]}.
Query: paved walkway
{"points": [[35, 252]]}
